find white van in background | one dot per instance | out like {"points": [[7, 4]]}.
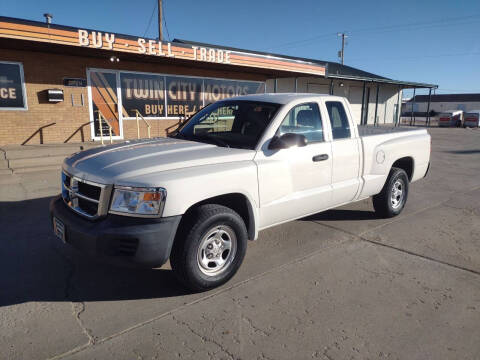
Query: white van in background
{"points": [[471, 118], [450, 118]]}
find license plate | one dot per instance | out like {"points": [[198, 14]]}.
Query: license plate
{"points": [[59, 228]]}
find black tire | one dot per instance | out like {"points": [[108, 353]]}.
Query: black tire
{"points": [[383, 202], [193, 235]]}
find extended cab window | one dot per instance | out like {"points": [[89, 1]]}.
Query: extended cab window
{"points": [[303, 119], [338, 120]]}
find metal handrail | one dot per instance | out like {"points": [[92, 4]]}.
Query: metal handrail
{"points": [[100, 117], [138, 115]]}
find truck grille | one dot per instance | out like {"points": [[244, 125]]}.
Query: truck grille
{"points": [[86, 198]]}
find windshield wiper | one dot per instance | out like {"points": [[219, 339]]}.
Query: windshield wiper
{"points": [[179, 135], [215, 140], [205, 137]]}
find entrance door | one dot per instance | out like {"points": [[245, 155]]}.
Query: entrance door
{"points": [[104, 95]]}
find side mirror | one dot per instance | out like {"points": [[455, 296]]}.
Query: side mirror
{"points": [[287, 140]]}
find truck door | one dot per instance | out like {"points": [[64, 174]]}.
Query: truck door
{"points": [[346, 154], [295, 182]]}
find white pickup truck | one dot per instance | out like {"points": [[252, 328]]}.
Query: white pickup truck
{"points": [[238, 166]]}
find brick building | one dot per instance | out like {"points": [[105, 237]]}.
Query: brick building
{"points": [[62, 84]]}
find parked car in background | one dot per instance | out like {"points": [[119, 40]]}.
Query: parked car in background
{"points": [[450, 118], [236, 167], [471, 118]]}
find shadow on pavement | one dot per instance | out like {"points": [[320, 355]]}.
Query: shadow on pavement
{"points": [[474, 151], [35, 266], [340, 214]]}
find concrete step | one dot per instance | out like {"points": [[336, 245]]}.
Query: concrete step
{"points": [[38, 151], [38, 168], [35, 162], [17, 159], [6, 171]]}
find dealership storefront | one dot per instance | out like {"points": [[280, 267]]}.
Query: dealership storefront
{"points": [[62, 84]]}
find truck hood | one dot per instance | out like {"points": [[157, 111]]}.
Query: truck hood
{"points": [[115, 164]]}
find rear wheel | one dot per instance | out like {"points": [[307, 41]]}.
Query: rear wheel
{"points": [[391, 200], [210, 247]]}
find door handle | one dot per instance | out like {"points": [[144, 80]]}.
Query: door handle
{"points": [[322, 157]]}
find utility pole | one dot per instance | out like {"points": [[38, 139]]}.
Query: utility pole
{"points": [[341, 53], [160, 30]]}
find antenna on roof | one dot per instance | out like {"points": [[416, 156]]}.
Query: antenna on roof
{"points": [[48, 18], [341, 53]]}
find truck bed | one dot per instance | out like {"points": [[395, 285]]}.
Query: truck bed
{"points": [[368, 130]]}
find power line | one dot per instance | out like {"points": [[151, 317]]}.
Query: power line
{"points": [[151, 18], [419, 57], [299, 42], [421, 24], [423, 27], [444, 22], [165, 19]]}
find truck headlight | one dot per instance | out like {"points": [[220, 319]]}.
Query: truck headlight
{"points": [[138, 201]]}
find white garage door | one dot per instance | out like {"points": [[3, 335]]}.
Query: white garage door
{"points": [[355, 97], [318, 88]]}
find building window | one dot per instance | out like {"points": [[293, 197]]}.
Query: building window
{"points": [[12, 86]]}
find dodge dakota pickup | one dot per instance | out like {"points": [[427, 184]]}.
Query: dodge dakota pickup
{"points": [[236, 167]]}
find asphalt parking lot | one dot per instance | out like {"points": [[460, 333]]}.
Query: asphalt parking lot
{"points": [[338, 285]]}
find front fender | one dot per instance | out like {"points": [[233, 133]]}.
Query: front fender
{"points": [[189, 186]]}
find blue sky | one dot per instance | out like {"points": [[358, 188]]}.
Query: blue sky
{"points": [[426, 41]]}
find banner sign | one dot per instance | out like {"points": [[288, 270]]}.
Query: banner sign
{"points": [[221, 89], [143, 92], [184, 95], [65, 35], [176, 96], [11, 86]]}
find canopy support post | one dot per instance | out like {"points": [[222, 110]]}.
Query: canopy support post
{"points": [[363, 104], [428, 106], [412, 119], [375, 122]]}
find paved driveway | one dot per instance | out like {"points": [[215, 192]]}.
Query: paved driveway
{"points": [[337, 285]]}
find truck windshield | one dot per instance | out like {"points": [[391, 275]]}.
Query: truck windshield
{"points": [[234, 123]]}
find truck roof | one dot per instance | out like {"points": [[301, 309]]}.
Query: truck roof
{"points": [[279, 98]]}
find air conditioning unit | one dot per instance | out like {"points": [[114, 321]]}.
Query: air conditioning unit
{"points": [[55, 95]]}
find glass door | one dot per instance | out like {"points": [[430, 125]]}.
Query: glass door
{"points": [[104, 103]]}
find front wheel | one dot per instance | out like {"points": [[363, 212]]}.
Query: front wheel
{"points": [[391, 200], [210, 247]]}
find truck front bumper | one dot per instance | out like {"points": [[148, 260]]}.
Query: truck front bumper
{"points": [[120, 240]]}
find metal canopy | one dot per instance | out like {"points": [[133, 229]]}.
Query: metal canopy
{"points": [[333, 70]]}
